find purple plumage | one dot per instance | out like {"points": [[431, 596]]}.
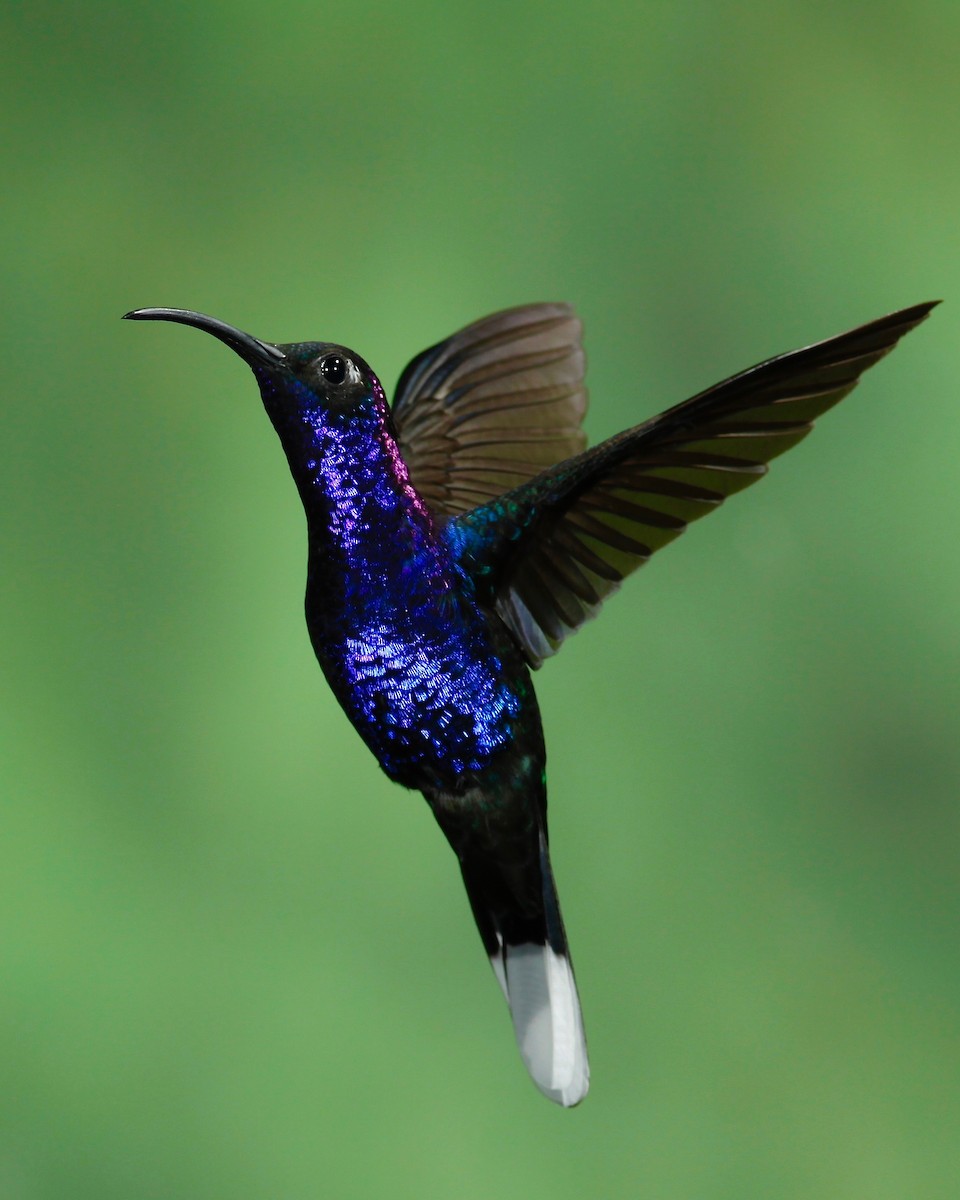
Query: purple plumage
{"points": [[393, 620]]}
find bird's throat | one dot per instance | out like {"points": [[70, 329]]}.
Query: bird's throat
{"points": [[372, 538]]}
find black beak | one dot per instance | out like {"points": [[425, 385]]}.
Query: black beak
{"points": [[251, 349]]}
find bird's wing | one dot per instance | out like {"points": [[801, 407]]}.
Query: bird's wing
{"points": [[492, 406], [549, 552]]}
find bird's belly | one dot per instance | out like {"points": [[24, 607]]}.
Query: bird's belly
{"points": [[435, 708]]}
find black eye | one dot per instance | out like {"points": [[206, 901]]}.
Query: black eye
{"points": [[333, 369]]}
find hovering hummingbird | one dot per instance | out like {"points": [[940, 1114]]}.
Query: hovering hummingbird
{"points": [[457, 538]]}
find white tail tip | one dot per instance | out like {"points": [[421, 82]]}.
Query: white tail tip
{"points": [[543, 1000]]}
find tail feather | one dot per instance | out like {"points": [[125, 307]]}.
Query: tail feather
{"points": [[545, 1008], [537, 981], [506, 870]]}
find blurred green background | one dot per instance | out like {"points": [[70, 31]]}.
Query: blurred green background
{"points": [[236, 961]]}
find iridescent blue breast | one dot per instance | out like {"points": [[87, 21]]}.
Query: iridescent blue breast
{"points": [[416, 664], [430, 698]]}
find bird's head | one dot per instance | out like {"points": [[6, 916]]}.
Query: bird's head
{"points": [[305, 385]]}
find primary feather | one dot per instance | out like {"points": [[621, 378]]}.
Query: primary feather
{"points": [[569, 536]]}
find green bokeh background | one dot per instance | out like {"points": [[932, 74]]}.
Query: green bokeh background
{"points": [[237, 962]]}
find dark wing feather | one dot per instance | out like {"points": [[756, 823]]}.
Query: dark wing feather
{"points": [[492, 406], [554, 549]]}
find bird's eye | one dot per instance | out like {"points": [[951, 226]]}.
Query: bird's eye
{"points": [[333, 369]]}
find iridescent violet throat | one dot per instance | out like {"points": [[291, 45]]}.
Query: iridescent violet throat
{"points": [[456, 539]]}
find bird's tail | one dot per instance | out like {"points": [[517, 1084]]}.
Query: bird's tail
{"points": [[537, 979], [515, 905]]}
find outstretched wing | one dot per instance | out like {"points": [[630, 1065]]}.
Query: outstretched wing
{"points": [[552, 550], [492, 406]]}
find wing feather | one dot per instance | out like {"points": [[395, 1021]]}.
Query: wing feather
{"points": [[568, 537], [489, 408]]}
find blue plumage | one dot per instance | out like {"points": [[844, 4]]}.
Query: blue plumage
{"points": [[393, 619]]}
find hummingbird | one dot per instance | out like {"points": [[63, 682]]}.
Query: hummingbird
{"points": [[458, 537]]}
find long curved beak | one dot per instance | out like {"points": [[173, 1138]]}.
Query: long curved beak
{"points": [[251, 349]]}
